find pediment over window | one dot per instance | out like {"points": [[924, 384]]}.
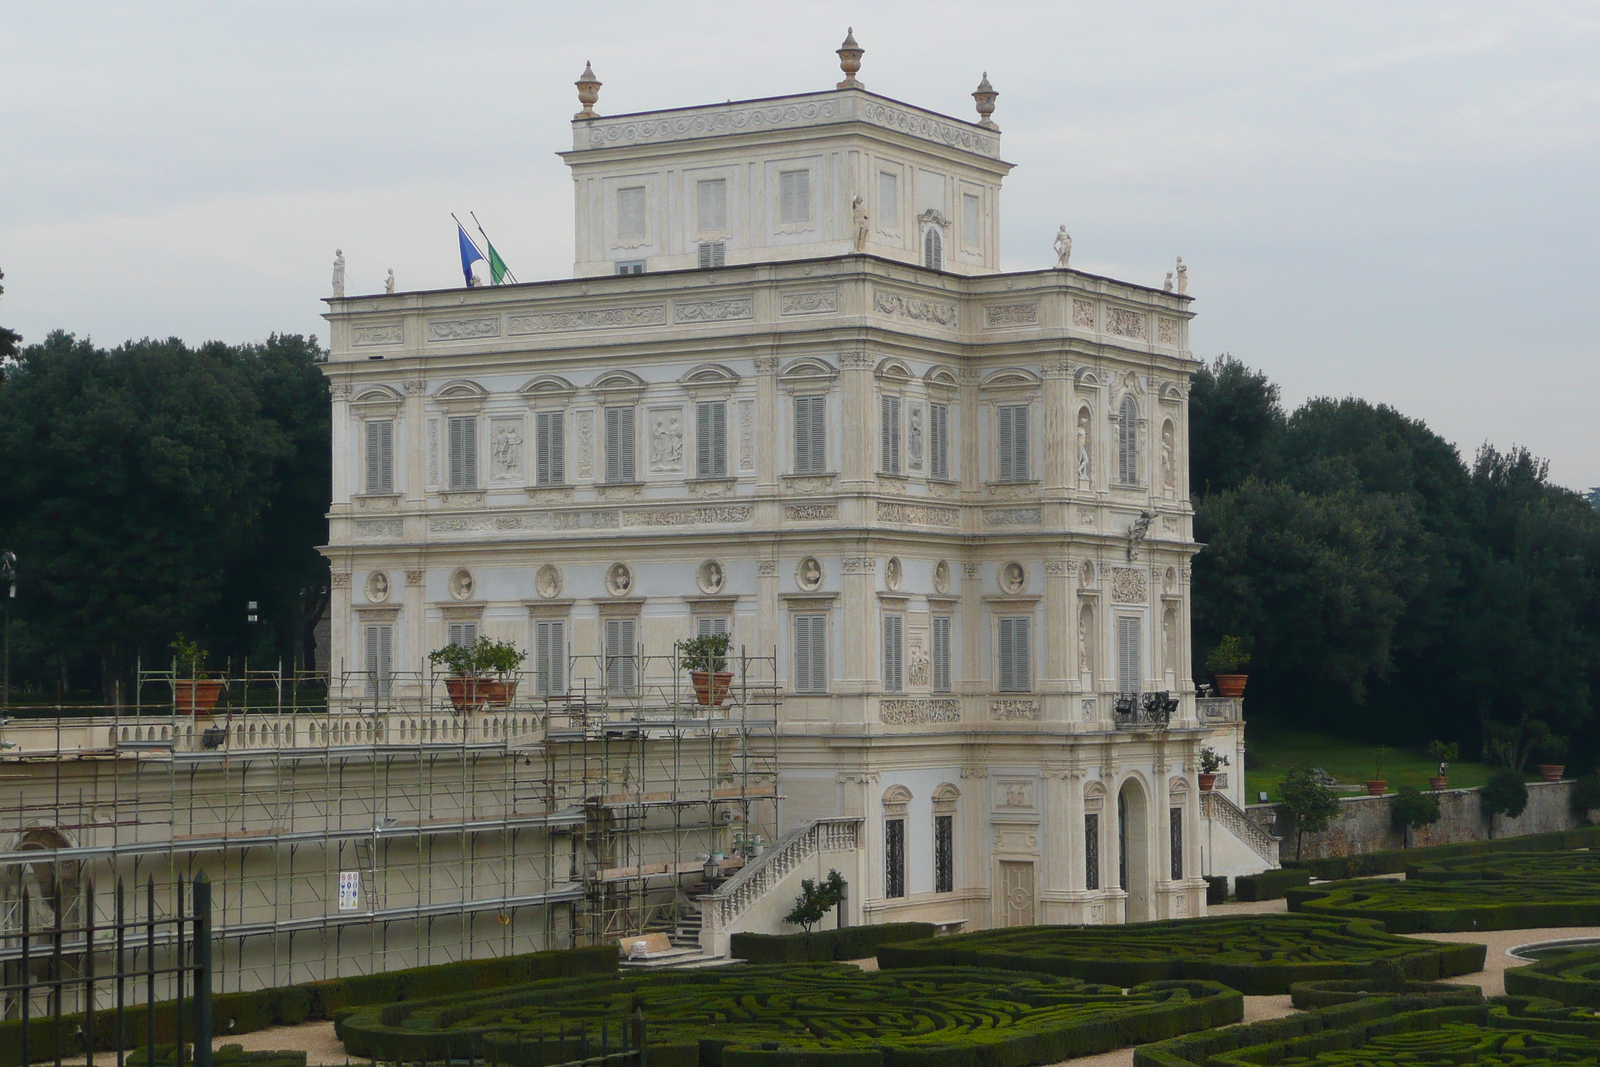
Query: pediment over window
{"points": [[1171, 392], [896, 794], [460, 389], [893, 370], [709, 374], [1086, 379], [548, 387], [1094, 789], [943, 377], [1011, 378], [946, 794], [378, 396], [618, 381], [808, 372]]}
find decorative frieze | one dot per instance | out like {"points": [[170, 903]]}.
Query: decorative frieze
{"points": [[999, 316], [586, 445], [808, 302], [731, 120], [589, 319], [1014, 710], [687, 516], [1167, 331], [747, 435], [807, 484], [1083, 314], [1011, 516], [1125, 322], [766, 364], [339, 579], [414, 578], [379, 527], [918, 515], [859, 360], [1090, 709], [913, 308], [386, 333], [463, 329], [810, 512], [1086, 516], [725, 310], [859, 564], [929, 128], [767, 568], [1128, 586], [908, 712], [1055, 567]]}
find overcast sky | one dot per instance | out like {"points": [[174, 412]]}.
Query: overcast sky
{"points": [[1395, 201]]}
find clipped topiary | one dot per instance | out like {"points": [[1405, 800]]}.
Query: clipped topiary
{"points": [[1505, 793]]}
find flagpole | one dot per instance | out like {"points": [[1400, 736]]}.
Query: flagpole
{"points": [[474, 214], [470, 241]]}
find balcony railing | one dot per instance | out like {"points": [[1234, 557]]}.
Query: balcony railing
{"points": [[1144, 711]]}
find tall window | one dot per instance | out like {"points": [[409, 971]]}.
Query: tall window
{"points": [[1130, 674], [550, 447], [794, 196], [810, 434], [1128, 442], [891, 434], [711, 439], [619, 445], [941, 653], [971, 221], [944, 853], [709, 625], [380, 658], [888, 201], [463, 451], [713, 254], [1175, 820], [1012, 436], [630, 213], [463, 633], [1091, 850], [1016, 673], [380, 456], [933, 249], [550, 656], [713, 204], [939, 440], [894, 653], [894, 857], [621, 656], [810, 653]]}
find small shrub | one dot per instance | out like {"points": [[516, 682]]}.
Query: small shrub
{"points": [[1505, 793], [1216, 889], [483, 656], [708, 652], [1412, 808], [1585, 795], [1268, 885], [1230, 654]]}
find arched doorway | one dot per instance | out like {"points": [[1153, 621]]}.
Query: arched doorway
{"points": [[1133, 849]]}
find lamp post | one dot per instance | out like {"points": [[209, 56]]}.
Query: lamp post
{"points": [[8, 577]]}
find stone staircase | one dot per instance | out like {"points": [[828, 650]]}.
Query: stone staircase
{"points": [[1218, 808]]}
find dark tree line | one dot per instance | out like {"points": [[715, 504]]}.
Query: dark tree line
{"points": [[1387, 587], [156, 488]]}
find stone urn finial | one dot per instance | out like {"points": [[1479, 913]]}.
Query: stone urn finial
{"points": [[588, 92], [850, 60], [985, 95]]}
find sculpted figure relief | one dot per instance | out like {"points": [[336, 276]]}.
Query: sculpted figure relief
{"points": [[1063, 247], [338, 272], [1168, 456], [1085, 469], [858, 208], [666, 441], [1183, 276], [916, 438], [507, 446], [388, 283]]}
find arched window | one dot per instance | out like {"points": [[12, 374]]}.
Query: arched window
{"points": [[1128, 442], [933, 249]]}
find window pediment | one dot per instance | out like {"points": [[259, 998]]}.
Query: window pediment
{"points": [[709, 376], [551, 387], [893, 371], [378, 396], [942, 378], [1011, 378], [618, 385], [808, 373]]}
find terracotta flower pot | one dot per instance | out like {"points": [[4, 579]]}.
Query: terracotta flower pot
{"points": [[1438, 785], [1230, 685], [711, 690], [1551, 772], [468, 692], [1207, 782], [1376, 787], [193, 696]]}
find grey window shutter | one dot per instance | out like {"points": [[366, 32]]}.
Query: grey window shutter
{"points": [[894, 653], [380, 456], [625, 427], [1128, 442], [455, 449], [620, 653], [1129, 669], [939, 440], [810, 435], [811, 654], [706, 626], [941, 653], [619, 445], [891, 434], [469, 454], [933, 249], [373, 482], [719, 253], [1015, 670], [802, 653], [380, 658], [1005, 433], [550, 446], [711, 439], [550, 656], [372, 659], [463, 633], [1019, 443], [705, 255]]}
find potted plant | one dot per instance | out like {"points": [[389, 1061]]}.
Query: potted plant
{"points": [[1211, 761], [1376, 785], [192, 691], [706, 659], [1224, 662], [1553, 749], [1444, 754], [480, 673]]}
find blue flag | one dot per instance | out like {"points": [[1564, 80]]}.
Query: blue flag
{"points": [[469, 253]]}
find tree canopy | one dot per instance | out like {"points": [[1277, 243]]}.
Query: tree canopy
{"points": [[1385, 585]]}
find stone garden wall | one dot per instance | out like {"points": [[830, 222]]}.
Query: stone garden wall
{"points": [[1364, 824]]}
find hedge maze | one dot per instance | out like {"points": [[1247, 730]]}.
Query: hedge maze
{"points": [[1507, 903], [1517, 866], [1570, 978], [816, 1015], [1387, 1032], [1256, 954]]}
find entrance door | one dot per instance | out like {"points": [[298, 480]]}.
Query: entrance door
{"points": [[1133, 860], [1016, 887]]}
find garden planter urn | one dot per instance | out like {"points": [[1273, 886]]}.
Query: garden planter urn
{"points": [[196, 696], [710, 690], [1376, 787], [1207, 782], [1230, 685], [470, 692], [1439, 784], [1551, 772]]}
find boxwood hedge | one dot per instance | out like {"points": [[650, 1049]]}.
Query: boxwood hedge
{"points": [[1256, 954], [1397, 860], [1309, 996], [809, 1015], [1570, 978], [825, 946], [242, 1013], [1440, 907], [1268, 885], [1518, 866]]}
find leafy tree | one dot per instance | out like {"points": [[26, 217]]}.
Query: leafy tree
{"points": [[1312, 804], [1585, 795], [1236, 422], [1412, 808], [9, 339], [1505, 793], [815, 901]]}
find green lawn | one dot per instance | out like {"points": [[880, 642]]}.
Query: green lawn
{"points": [[1272, 754]]}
